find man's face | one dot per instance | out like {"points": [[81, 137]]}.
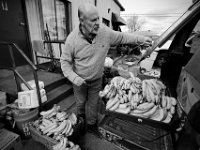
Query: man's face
{"points": [[91, 23]]}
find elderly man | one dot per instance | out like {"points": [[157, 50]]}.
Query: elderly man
{"points": [[83, 57]]}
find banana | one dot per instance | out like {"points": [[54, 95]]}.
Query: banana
{"points": [[174, 101], [145, 106], [65, 142], [129, 95], [76, 147], [59, 145], [69, 127], [41, 127], [169, 103], [144, 88], [154, 86], [155, 115], [133, 102], [111, 102], [121, 99], [49, 128], [48, 112], [162, 114], [73, 118], [167, 119], [46, 121], [66, 127], [71, 144], [150, 95], [143, 109], [133, 89], [160, 84], [113, 93], [149, 113], [126, 98], [157, 99], [123, 110], [70, 132], [163, 101], [122, 106], [172, 110], [60, 128], [60, 115], [115, 106]]}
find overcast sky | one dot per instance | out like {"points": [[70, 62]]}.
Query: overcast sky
{"points": [[158, 15]]}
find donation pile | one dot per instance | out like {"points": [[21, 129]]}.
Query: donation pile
{"points": [[58, 125], [142, 98]]}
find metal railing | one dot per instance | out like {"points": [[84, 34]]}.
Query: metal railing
{"points": [[17, 74]]}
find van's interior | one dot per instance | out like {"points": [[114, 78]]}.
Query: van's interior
{"points": [[184, 53]]}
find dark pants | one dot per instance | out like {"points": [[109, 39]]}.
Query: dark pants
{"points": [[87, 97]]}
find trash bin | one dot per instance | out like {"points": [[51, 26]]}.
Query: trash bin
{"points": [[22, 121]]}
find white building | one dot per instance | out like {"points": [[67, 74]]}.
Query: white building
{"points": [[53, 20]]}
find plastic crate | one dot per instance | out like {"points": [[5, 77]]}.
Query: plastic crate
{"points": [[131, 135], [49, 142]]}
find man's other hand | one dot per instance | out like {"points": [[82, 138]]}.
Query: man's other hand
{"points": [[79, 81]]}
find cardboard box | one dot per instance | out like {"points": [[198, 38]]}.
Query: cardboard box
{"points": [[9, 140], [187, 90], [32, 84], [28, 99]]}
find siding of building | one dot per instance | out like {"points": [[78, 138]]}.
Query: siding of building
{"points": [[105, 8]]}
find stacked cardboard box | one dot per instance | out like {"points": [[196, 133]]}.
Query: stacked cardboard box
{"points": [[28, 98]]}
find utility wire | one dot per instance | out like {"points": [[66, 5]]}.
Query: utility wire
{"points": [[153, 15]]}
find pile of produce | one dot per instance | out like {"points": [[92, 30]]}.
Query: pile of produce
{"points": [[57, 125], [142, 98]]}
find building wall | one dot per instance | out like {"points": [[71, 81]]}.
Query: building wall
{"points": [[103, 8]]}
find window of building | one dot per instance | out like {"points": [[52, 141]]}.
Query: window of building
{"points": [[106, 22], [56, 18]]}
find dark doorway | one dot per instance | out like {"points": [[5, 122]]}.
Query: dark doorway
{"points": [[13, 28]]}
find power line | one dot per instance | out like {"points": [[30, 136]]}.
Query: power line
{"points": [[153, 15]]}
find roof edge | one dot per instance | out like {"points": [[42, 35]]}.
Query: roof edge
{"points": [[120, 5]]}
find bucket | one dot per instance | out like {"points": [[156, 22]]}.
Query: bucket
{"points": [[22, 122]]}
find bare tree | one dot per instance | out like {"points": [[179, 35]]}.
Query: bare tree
{"points": [[134, 23]]}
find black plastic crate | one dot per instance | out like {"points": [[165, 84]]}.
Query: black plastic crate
{"points": [[125, 133]]}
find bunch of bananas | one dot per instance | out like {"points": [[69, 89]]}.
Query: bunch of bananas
{"points": [[156, 112], [139, 98], [56, 124], [64, 144], [152, 89], [120, 92]]}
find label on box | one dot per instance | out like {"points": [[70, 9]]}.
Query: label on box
{"points": [[29, 99], [24, 99]]}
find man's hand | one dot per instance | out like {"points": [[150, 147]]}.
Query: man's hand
{"points": [[148, 41], [79, 81], [147, 52]]}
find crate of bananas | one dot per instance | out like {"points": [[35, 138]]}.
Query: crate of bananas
{"points": [[54, 128], [135, 98]]}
